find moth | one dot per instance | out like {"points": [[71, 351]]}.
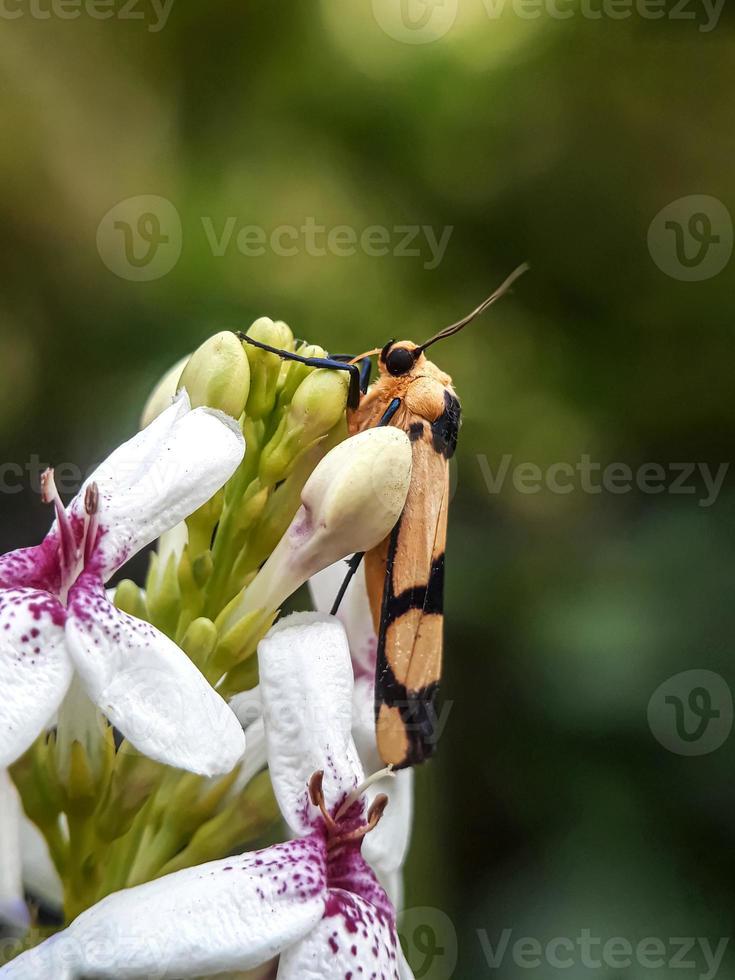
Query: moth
{"points": [[405, 573]]}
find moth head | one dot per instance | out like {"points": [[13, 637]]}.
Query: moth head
{"points": [[398, 358]]}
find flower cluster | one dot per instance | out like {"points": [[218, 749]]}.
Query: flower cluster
{"points": [[145, 744]]}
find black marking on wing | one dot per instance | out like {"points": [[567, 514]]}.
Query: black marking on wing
{"points": [[429, 598], [446, 428], [417, 708], [419, 715], [415, 431]]}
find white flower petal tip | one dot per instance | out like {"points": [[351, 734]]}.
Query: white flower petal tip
{"points": [[306, 688], [163, 394], [229, 915], [149, 688], [35, 670], [159, 477]]}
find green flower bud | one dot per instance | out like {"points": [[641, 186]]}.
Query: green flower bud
{"points": [[317, 405], [243, 820], [130, 598], [298, 372], [218, 375], [163, 394], [163, 592], [199, 640], [134, 778], [202, 523], [265, 368], [350, 503]]}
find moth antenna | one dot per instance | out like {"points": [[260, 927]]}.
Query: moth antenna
{"points": [[493, 298]]}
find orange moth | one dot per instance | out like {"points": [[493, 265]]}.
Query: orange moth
{"points": [[405, 573]]}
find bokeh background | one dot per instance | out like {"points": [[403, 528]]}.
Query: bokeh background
{"points": [[551, 807]]}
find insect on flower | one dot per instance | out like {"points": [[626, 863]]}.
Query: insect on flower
{"points": [[405, 572]]}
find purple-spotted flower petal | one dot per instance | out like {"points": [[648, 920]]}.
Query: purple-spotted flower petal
{"points": [[314, 901], [35, 669], [54, 613], [232, 914], [354, 939]]}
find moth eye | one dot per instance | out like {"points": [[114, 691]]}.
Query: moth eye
{"points": [[399, 361]]}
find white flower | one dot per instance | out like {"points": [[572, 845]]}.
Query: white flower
{"points": [[312, 901], [56, 619], [24, 860], [387, 848], [13, 909]]}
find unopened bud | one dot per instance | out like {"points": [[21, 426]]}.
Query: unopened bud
{"points": [[317, 405], [218, 375], [265, 368], [297, 371], [350, 503], [163, 394]]}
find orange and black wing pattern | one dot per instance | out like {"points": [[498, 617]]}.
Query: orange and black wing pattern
{"points": [[405, 577]]}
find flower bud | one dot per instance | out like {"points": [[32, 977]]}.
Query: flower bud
{"points": [[317, 405], [163, 394], [218, 375], [265, 368], [350, 503], [297, 372]]}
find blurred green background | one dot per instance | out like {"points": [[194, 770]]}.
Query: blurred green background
{"points": [[551, 808]]}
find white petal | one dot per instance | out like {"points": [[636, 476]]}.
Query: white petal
{"points": [[148, 687], [232, 914], [306, 687], [392, 884], [159, 477], [385, 847], [353, 940], [255, 758], [248, 706], [13, 909], [35, 671], [354, 612], [39, 874]]}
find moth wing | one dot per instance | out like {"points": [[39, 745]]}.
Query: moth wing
{"points": [[405, 576]]}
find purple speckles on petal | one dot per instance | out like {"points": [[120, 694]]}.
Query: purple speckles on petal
{"points": [[33, 604]]}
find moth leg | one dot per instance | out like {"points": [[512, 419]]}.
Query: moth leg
{"points": [[353, 396], [354, 562], [389, 412], [365, 369]]}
